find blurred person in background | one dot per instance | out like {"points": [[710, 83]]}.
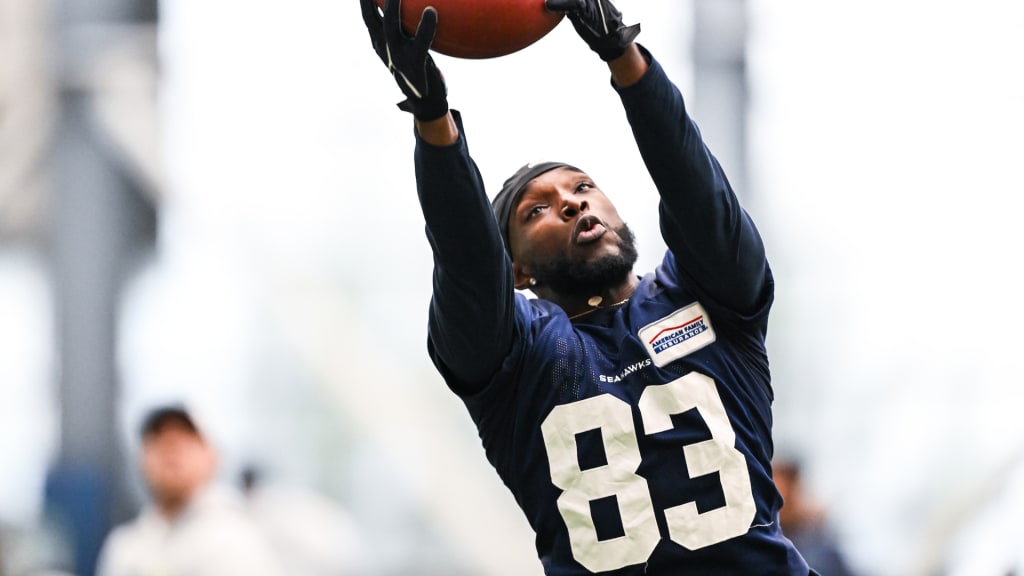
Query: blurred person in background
{"points": [[805, 523], [192, 527]]}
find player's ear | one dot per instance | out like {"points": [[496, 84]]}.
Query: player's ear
{"points": [[521, 276]]}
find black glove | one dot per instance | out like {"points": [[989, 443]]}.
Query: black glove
{"points": [[600, 25], [408, 58]]}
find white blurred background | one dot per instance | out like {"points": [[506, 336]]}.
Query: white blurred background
{"points": [[274, 270]]}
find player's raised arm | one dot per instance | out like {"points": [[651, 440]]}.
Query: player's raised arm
{"points": [[713, 239], [409, 60], [471, 310], [710, 234]]}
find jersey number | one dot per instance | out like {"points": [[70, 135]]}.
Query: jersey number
{"points": [[686, 525]]}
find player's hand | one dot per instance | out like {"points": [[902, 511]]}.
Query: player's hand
{"points": [[600, 25], [408, 59]]}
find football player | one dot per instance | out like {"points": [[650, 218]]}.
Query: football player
{"points": [[629, 416]]}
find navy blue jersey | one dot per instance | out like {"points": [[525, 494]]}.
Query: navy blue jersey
{"points": [[636, 438]]}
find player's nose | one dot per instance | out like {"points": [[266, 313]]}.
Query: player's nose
{"points": [[573, 206]]}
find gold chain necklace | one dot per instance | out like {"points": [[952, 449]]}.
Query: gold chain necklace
{"points": [[595, 301]]}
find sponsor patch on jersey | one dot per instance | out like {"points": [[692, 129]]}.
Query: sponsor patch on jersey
{"points": [[683, 332]]}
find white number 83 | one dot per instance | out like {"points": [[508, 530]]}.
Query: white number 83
{"points": [[686, 525]]}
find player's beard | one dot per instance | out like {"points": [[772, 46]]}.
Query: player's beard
{"points": [[585, 278]]}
